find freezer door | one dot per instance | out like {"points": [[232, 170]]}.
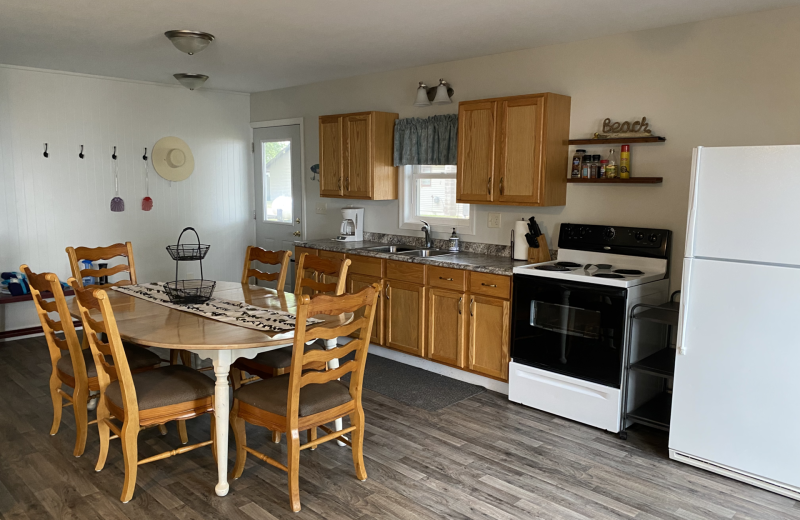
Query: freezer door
{"points": [[744, 204], [736, 385]]}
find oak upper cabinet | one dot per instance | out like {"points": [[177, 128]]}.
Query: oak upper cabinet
{"points": [[488, 336], [446, 327], [514, 150], [405, 317], [356, 156]]}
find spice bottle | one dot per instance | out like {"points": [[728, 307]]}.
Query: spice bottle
{"points": [[625, 162], [611, 167], [587, 159], [576, 163], [601, 172], [595, 166]]}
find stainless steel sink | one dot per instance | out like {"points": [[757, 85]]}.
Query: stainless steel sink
{"points": [[390, 249], [425, 253]]}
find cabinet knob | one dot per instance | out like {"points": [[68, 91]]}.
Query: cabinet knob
{"points": [[489, 186], [388, 294], [443, 278], [501, 185], [460, 301], [471, 303]]}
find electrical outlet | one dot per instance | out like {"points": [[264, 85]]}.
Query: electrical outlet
{"points": [[494, 220], [322, 208]]}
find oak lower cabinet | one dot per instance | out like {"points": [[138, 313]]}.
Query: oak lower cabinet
{"points": [[356, 156], [513, 150], [489, 320], [405, 317], [446, 327], [359, 282]]}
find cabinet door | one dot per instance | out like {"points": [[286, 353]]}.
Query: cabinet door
{"points": [[446, 323], [488, 336], [518, 173], [357, 155], [330, 157], [358, 282], [405, 317], [476, 149]]}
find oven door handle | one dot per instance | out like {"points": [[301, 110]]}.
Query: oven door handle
{"points": [[533, 313]]}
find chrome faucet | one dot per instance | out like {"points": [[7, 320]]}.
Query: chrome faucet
{"points": [[427, 229]]}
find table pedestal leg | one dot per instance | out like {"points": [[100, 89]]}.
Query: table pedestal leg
{"points": [[222, 367], [333, 364]]}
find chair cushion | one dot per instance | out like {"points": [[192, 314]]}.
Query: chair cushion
{"points": [[164, 386], [138, 357], [270, 395], [282, 357]]}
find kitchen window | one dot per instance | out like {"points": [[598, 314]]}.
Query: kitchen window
{"points": [[428, 192]]}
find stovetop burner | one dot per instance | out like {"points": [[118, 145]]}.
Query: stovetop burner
{"points": [[552, 267], [629, 271], [568, 264], [608, 275]]}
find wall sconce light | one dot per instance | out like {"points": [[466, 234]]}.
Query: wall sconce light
{"points": [[438, 95]]}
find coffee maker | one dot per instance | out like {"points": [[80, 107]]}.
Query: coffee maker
{"points": [[352, 229]]}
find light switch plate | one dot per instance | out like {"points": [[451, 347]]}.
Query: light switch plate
{"points": [[322, 208], [494, 220]]}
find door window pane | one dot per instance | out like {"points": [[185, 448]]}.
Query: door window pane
{"points": [[277, 180]]}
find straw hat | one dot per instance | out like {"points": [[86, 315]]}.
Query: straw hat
{"points": [[172, 159]]}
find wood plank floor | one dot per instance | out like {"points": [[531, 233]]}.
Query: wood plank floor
{"points": [[481, 458]]}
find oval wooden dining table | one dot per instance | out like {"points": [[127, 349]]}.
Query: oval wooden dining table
{"points": [[153, 325]]}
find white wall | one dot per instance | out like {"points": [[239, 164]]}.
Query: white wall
{"points": [[731, 81], [49, 204]]}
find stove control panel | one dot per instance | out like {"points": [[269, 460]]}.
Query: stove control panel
{"points": [[615, 239]]}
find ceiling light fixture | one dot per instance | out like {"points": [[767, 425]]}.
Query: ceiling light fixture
{"points": [[191, 81], [438, 95], [190, 42]]}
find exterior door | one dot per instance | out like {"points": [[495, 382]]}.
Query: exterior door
{"points": [[488, 336], [405, 325], [279, 191], [446, 322], [330, 156], [519, 132], [359, 282], [476, 143], [357, 156]]}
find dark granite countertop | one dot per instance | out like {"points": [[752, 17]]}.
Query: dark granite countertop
{"points": [[492, 264]]}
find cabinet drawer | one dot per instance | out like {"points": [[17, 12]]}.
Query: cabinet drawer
{"points": [[446, 278], [331, 255], [490, 284], [405, 271], [366, 265]]}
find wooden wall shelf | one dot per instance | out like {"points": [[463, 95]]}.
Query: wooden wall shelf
{"points": [[629, 140], [632, 180]]}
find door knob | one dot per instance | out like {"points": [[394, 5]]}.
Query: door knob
{"points": [[296, 233], [297, 220]]}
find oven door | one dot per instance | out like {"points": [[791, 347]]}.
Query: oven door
{"points": [[575, 329]]}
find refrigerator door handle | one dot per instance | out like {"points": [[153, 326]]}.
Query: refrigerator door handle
{"points": [[684, 307], [690, 223]]}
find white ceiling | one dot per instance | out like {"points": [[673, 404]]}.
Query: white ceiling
{"points": [[269, 44]]}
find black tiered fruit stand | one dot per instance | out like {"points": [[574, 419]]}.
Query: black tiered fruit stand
{"points": [[189, 291]]}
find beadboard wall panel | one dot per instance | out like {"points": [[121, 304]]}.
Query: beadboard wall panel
{"points": [[47, 204]]}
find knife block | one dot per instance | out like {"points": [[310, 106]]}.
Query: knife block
{"points": [[537, 255]]}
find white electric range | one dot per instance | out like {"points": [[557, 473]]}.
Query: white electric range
{"points": [[570, 320]]}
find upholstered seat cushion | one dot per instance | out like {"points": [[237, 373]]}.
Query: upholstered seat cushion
{"points": [[165, 386], [282, 357], [270, 395], [138, 357]]}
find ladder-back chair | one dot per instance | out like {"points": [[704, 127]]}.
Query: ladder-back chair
{"points": [[307, 400], [93, 254], [141, 400], [321, 270], [257, 254], [72, 366]]}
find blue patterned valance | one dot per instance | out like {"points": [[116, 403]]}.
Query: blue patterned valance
{"points": [[426, 141]]}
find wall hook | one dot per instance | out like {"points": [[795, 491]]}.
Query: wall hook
{"points": [[46, 155], [80, 155], [144, 157], [114, 155]]}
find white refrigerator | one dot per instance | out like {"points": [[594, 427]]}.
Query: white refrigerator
{"points": [[736, 397]]}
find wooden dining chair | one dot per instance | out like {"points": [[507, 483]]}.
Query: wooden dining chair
{"points": [[311, 269], [137, 400], [307, 400], [257, 254], [93, 254], [72, 366]]}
